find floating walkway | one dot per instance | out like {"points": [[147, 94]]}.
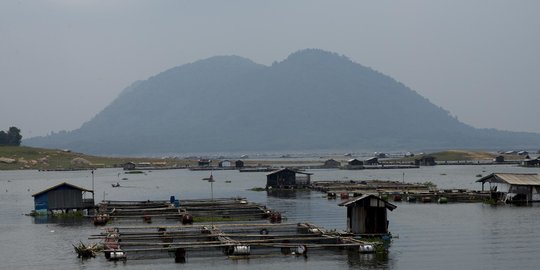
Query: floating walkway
{"points": [[231, 240], [397, 191], [187, 211]]}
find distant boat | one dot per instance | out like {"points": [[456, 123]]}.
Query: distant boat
{"points": [[115, 185]]}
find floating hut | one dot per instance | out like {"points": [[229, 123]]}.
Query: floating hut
{"points": [[204, 162], [425, 161], [513, 187], [287, 179], [239, 164], [225, 164], [529, 162], [64, 197], [371, 161], [331, 163], [129, 166], [354, 164], [366, 215]]}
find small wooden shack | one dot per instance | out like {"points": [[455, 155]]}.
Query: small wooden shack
{"points": [[531, 162], [425, 161], [355, 162], [224, 164], [204, 162], [129, 166], [371, 161], [513, 187], [499, 159], [366, 215], [63, 196], [239, 164], [331, 163], [287, 179]]}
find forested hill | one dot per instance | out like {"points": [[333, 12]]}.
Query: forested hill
{"points": [[313, 100]]}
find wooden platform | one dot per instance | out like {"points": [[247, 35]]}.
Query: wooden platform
{"points": [[231, 240]]}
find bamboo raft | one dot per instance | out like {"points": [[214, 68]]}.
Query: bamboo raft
{"points": [[231, 240], [186, 210], [397, 191]]}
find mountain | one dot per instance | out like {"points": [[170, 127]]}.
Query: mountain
{"points": [[313, 100]]}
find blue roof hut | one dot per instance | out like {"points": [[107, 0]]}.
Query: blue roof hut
{"points": [[64, 197]]}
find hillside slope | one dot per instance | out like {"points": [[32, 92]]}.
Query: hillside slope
{"points": [[313, 100]]}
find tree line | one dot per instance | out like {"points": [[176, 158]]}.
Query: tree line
{"points": [[13, 137]]}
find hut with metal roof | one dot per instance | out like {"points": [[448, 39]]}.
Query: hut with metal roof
{"points": [[367, 215], [331, 163], [513, 187], [287, 179], [63, 196], [239, 164], [371, 161], [425, 161]]}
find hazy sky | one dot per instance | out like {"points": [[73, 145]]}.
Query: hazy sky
{"points": [[63, 61]]}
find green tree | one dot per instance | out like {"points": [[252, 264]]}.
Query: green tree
{"points": [[14, 136], [3, 138]]}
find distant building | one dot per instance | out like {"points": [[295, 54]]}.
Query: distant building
{"points": [[129, 166], [287, 179], [371, 161], [367, 215], [331, 163], [499, 159], [63, 196], [239, 164], [513, 187], [204, 162], [528, 162], [381, 155], [523, 153], [425, 161], [354, 164], [224, 164]]}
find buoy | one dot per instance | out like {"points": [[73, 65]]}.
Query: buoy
{"points": [[301, 250], [187, 219], [366, 248], [241, 250]]}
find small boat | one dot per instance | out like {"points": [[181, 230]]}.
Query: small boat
{"points": [[115, 185]]}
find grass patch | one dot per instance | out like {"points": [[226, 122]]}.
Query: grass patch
{"points": [[32, 158]]}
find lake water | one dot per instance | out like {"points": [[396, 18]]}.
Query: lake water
{"points": [[427, 236]]}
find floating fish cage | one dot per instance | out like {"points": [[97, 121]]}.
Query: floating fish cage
{"points": [[185, 211], [230, 240]]}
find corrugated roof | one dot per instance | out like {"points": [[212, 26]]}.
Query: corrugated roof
{"points": [[523, 179], [365, 196], [287, 169], [59, 185]]}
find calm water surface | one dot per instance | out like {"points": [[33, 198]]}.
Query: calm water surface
{"points": [[427, 236]]}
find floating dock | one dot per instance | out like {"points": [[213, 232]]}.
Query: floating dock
{"points": [[187, 211], [397, 191], [231, 240]]}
